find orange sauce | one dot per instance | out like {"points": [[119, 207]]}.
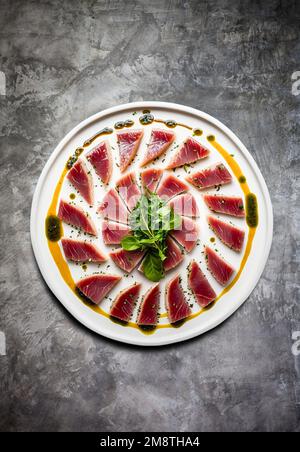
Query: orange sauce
{"points": [[172, 124]]}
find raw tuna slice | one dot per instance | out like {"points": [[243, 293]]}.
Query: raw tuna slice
{"points": [[148, 311], [96, 287], [128, 142], [123, 306], [160, 140], [82, 181], [171, 186], [176, 304], [174, 255], [228, 234], [76, 216], [189, 152], [187, 235], [229, 205], [200, 286], [113, 233], [150, 178], [220, 269], [113, 208], [185, 205], [80, 251], [210, 177], [126, 260], [101, 159], [129, 190]]}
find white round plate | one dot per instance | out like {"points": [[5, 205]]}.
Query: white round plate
{"points": [[255, 263]]}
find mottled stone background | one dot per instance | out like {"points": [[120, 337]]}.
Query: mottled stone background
{"points": [[64, 61]]}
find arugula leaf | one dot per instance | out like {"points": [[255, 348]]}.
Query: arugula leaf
{"points": [[153, 267], [130, 243], [151, 221]]}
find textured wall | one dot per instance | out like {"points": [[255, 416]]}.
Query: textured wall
{"points": [[64, 61]]}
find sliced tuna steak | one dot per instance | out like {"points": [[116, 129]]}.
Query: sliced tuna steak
{"points": [[76, 216], [148, 311], [96, 287], [80, 251], [150, 178], [123, 306], [174, 255], [81, 179], [229, 205], [128, 142], [176, 304], [113, 233], [189, 152], [170, 186], [113, 208], [160, 140], [126, 260], [129, 190], [220, 269], [202, 290], [185, 204], [101, 159], [188, 233], [210, 177], [230, 235]]}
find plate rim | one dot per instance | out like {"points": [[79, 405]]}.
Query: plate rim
{"points": [[164, 105]]}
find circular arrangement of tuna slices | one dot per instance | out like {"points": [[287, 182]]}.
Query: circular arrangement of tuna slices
{"points": [[122, 198], [151, 221]]}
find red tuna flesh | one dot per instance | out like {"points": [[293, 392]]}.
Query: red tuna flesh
{"points": [[174, 255], [129, 190], [228, 234], [113, 233], [113, 208], [185, 205], [189, 152], [148, 311], [229, 205], [80, 251], [101, 159], [171, 186], [188, 234], [210, 177], [75, 216], [220, 269], [96, 287], [123, 306], [176, 304], [160, 140], [82, 181], [150, 178], [128, 142], [202, 290], [126, 260]]}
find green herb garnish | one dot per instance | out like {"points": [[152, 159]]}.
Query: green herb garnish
{"points": [[151, 221]]}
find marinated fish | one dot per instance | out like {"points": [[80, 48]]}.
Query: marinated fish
{"points": [[76, 216], [219, 268], [189, 152], [80, 251], [128, 142], [81, 179], [198, 283], [176, 304], [96, 287], [123, 306], [101, 159], [160, 140]]}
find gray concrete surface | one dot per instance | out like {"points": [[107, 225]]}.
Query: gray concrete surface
{"points": [[64, 61]]}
